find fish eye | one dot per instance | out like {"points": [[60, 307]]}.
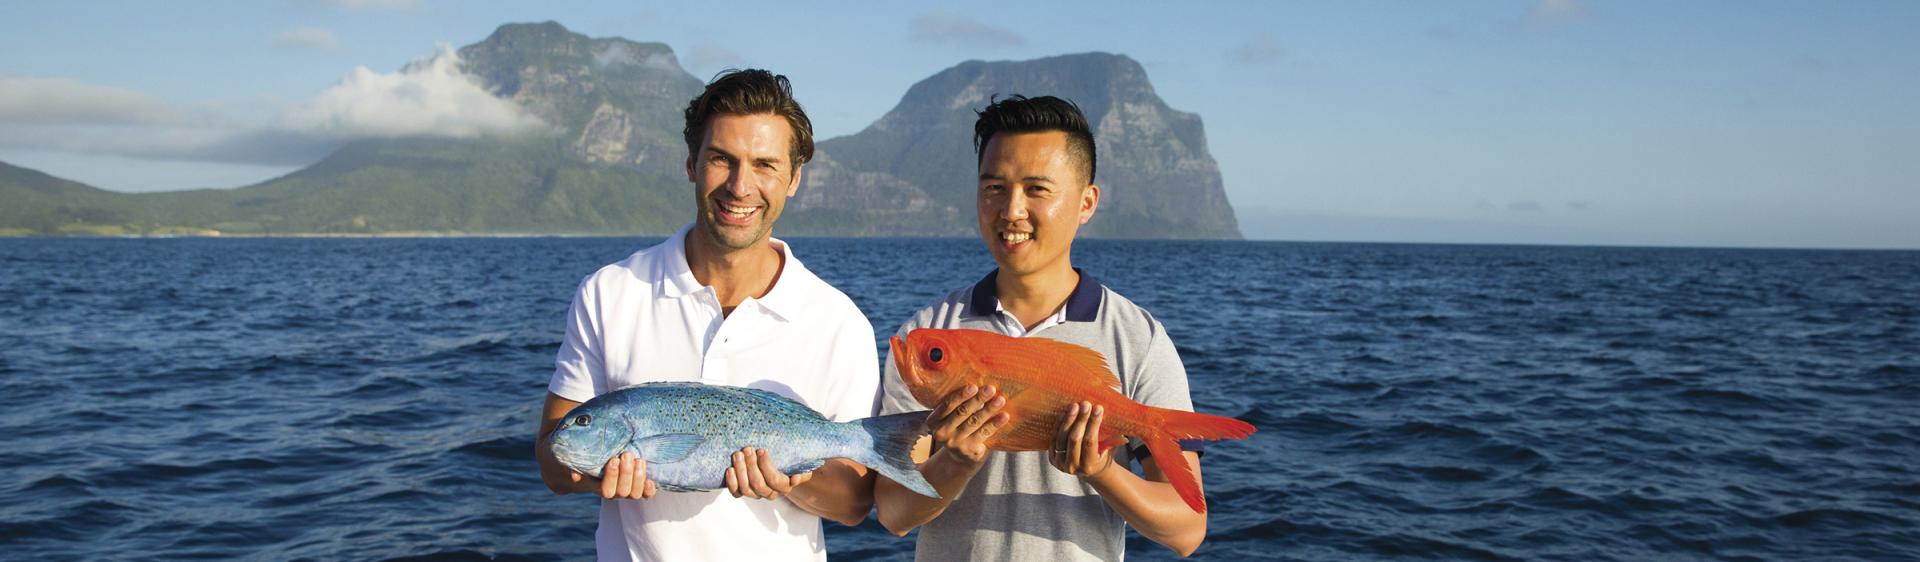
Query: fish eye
{"points": [[582, 420], [934, 355]]}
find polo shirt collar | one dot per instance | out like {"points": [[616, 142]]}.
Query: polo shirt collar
{"points": [[680, 279], [784, 300], [1082, 305]]}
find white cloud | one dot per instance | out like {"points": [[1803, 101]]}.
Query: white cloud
{"points": [[1556, 11], [963, 31], [60, 100], [306, 38], [430, 97], [1258, 51]]}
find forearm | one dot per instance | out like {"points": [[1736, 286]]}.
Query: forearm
{"points": [[1154, 509], [901, 510], [840, 490]]}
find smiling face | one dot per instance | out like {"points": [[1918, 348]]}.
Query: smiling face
{"points": [[742, 175], [1032, 199]]}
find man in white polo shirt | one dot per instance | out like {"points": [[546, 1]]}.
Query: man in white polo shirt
{"points": [[722, 303]]}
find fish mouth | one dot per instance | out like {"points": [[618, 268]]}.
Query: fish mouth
{"points": [[903, 362]]}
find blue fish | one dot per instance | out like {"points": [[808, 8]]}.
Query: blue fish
{"points": [[687, 432]]}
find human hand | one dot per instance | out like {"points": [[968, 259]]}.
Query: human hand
{"points": [[1076, 444], [624, 477], [753, 475], [965, 419]]}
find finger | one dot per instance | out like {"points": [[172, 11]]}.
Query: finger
{"points": [[758, 482], [733, 483], [626, 475], [1077, 435], [796, 480], [993, 426], [776, 480], [651, 490], [951, 402], [1066, 424], [962, 413], [609, 477], [738, 485], [1090, 445], [982, 415]]}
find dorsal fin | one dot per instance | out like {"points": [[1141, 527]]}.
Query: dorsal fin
{"points": [[1080, 358]]}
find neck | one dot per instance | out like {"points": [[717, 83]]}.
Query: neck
{"points": [[734, 274], [1035, 296]]}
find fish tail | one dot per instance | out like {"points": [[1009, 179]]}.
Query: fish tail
{"points": [[1166, 453], [1181, 424], [1165, 448], [892, 452]]}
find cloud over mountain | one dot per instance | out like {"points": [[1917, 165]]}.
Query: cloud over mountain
{"points": [[60, 100], [431, 97]]}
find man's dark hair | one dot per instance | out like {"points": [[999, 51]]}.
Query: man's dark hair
{"points": [[749, 92], [1021, 114]]}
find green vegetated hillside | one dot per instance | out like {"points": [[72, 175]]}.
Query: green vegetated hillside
{"points": [[611, 160]]}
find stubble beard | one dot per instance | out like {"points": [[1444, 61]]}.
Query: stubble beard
{"points": [[735, 238]]}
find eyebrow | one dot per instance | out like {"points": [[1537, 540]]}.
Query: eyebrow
{"points": [[731, 156], [1028, 179]]}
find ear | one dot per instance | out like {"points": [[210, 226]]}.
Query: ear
{"points": [[1089, 202], [793, 185], [690, 169]]}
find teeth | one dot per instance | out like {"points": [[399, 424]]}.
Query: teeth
{"points": [[1016, 237], [739, 210]]}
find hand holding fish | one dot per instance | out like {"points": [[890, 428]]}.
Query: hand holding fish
{"points": [[966, 419], [625, 477], [754, 476], [1076, 444]]}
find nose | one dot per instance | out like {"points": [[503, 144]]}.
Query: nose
{"points": [[1016, 208], [737, 184]]}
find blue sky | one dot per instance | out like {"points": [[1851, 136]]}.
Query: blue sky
{"points": [[1750, 123]]}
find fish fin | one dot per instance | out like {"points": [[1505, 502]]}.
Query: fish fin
{"points": [[1079, 358], [1111, 440], [674, 488], [1165, 447], [892, 452], [1166, 454], [1182, 424], [803, 466], [667, 447]]}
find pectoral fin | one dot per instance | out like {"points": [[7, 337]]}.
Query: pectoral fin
{"points": [[667, 447]]}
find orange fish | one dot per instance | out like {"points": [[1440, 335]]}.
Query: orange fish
{"points": [[1041, 378]]}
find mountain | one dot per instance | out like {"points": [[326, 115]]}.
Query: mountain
{"points": [[611, 159], [912, 172]]}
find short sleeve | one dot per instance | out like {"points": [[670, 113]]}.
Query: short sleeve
{"points": [[1162, 378], [1161, 382], [579, 369]]}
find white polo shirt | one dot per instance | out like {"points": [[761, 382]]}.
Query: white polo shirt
{"points": [[647, 319]]}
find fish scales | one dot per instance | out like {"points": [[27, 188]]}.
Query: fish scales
{"points": [[688, 432]]}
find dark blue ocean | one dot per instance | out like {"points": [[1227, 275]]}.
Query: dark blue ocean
{"points": [[364, 399]]}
